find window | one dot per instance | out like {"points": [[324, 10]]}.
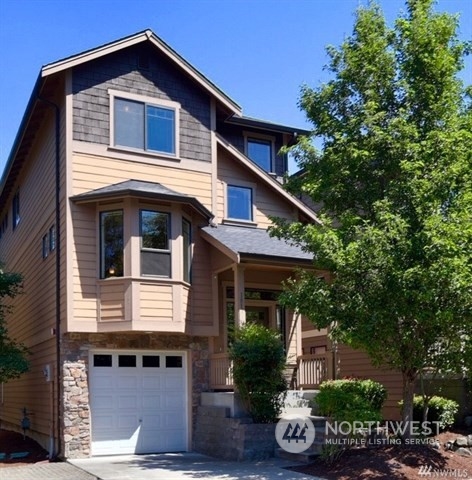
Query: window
{"points": [[126, 360], [155, 245], [111, 244], [187, 250], [151, 361], [145, 126], [239, 203], [45, 246], [260, 152], [52, 238], [102, 360], [173, 361], [16, 210]]}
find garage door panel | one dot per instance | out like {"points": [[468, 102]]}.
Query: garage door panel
{"points": [[153, 403], [140, 406], [127, 401], [127, 381], [152, 382]]}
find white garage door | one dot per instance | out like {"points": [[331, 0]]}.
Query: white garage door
{"points": [[138, 402]]}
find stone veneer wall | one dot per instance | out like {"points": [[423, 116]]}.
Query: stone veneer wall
{"points": [[75, 350]]}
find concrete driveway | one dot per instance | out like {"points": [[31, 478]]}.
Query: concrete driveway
{"points": [[185, 466]]}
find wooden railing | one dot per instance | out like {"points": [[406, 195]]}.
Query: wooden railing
{"points": [[221, 377], [312, 370]]}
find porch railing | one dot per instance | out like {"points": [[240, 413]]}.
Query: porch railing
{"points": [[221, 377], [312, 370]]}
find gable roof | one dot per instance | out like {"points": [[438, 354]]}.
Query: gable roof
{"points": [[35, 109], [144, 36], [141, 189], [243, 243], [266, 178]]}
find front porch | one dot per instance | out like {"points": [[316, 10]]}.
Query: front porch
{"points": [[308, 373]]}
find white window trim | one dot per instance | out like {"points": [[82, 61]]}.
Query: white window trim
{"points": [[158, 102], [240, 221], [260, 136]]}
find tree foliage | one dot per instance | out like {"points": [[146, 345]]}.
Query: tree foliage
{"points": [[394, 179], [13, 356]]}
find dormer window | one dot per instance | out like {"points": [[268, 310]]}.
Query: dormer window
{"points": [[144, 123], [261, 150]]}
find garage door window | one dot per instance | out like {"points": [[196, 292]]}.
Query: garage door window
{"points": [[102, 360], [173, 361], [151, 361], [126, 360]]}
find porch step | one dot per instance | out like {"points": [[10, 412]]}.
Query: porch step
{"points": [[308, 456]]}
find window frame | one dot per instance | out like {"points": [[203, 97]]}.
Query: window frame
{"points": [[260, 138], [241, 185], [45, 246], [16, 209], [167, 251], [187, 251], [146, 101], [101, 266]]}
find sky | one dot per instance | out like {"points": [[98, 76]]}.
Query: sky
{"points": [[259, 52]]}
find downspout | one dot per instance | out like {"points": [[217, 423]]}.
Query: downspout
{"points": [[57, 331]]}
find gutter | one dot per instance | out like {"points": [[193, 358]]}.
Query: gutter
{"points": [[57, 330]]}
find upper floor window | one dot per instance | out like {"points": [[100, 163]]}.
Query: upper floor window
{"points": [[16, 210], [145, 123], [260, 152], [52, 238], [187, 250], [155, 243], [45, 246], [111, 244], [239, 203]]}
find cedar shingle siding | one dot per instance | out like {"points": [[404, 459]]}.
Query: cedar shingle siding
{"points": [[120, 71]]}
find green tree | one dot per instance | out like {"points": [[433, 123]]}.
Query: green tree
{"points": [[393, 178], [13, 356]]}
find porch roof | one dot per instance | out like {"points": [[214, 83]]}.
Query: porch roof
{"points": [[244, 243]]}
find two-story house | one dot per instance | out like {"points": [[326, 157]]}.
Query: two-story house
{"points": [[135, 203]]}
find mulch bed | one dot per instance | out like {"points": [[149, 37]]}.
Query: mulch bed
{"points": [[14, 443], [396, 462]]}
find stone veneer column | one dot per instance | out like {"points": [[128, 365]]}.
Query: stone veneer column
{"points": [[76, 410]]}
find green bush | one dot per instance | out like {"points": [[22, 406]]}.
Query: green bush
{"points": [[258, 370], [351, 399], [442, 410]]}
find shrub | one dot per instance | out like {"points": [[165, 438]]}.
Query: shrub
{"points": [[258, 370], [350, 401], [442, 410], [350, 397]]}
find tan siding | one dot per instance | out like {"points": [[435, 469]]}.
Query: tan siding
{"points": [[112, 302], [202, 299], [91, 172], [33, 318], [355, 363], [156, 301], [267, 202]]}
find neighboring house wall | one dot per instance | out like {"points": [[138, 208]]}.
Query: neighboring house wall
{"points": [[32, 320]]}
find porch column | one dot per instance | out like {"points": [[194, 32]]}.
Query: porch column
{"points": [[239, 303]]}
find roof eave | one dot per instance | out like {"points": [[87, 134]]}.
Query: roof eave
{"points": [[21, 131], [265, 125], [140, 37], [86, 198], [267, 179], [275, 259]]}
